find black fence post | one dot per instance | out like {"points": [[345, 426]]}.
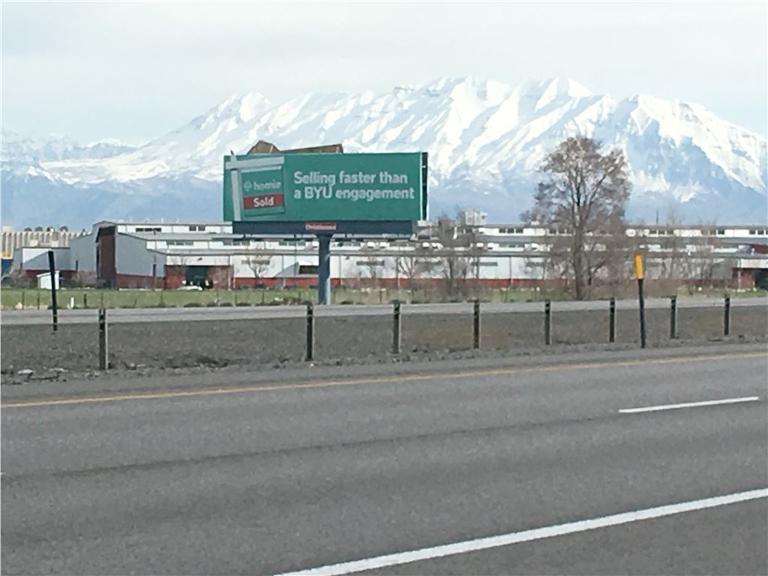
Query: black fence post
{"points": [[727, 317], [673, 318], [641, 301], [103, 340], [54, 306], [612, 320], [547, 322], [310, 332], [396, 335], [476, 326]]}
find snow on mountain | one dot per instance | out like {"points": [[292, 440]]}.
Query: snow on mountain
{"points": [[486, 141], [20, 151]]}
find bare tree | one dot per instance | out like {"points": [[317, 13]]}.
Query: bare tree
{"points": [[258, 265], [585, 194], [673, 245], [176, 267], [476, 250], [375, 267], [454, 259], [416, 264]]}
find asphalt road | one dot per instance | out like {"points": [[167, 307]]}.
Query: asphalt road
{"points": [[138, 315], [297, 475]]}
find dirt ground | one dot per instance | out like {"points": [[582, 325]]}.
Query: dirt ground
{"points": [[344, 340]]}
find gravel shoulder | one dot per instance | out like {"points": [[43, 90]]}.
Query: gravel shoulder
{"points": [[35, 358], [72, 385]]}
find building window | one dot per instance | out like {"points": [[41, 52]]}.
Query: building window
{"points": [[148, 229], [197, 228]]}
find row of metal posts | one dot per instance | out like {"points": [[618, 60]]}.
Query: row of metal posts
{"points": [[397, 324], [476, 325]]}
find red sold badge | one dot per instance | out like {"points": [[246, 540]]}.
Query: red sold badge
{"points": [[264, 201]]}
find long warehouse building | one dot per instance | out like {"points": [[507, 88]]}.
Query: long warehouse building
{"points": [[172, 255]]}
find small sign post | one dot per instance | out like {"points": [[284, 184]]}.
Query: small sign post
{"points": [[640, 275]]}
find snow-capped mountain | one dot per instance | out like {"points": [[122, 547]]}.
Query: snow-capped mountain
{"points": [[486, 141], [20, 152]]}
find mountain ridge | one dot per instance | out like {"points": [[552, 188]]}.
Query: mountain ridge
{"points": [[486, 140]]}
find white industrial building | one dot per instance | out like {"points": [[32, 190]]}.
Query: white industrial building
{"points": [[171, 255]]}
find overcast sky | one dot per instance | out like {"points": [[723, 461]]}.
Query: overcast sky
{"points": [[135, 71]]}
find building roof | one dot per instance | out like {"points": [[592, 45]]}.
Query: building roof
{"points": [[264, 147]]}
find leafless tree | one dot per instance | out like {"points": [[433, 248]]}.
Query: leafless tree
{"points": [[374, 266], [258, 265], [416, 264], [455, 259], [585, 193], [177, 267], [674, 247]]}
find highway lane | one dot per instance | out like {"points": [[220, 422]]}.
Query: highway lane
{"points": [[299, 477], [138, 315]]}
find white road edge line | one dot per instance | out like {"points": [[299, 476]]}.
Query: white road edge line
{"points": [[526, 535], [689, 405]]}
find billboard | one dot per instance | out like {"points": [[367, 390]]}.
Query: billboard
{"points": [[325, 187]]}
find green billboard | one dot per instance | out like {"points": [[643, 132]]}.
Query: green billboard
{"points": [[324, 187]]}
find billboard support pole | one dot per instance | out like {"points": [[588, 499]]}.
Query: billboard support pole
{"points": [[324, 269]]}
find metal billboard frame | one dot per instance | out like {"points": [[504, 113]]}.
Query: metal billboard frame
{"points": [[325, 230]]}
